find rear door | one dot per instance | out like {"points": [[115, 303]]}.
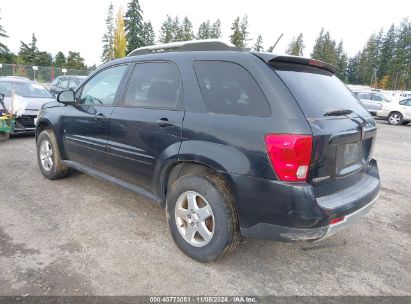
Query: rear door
{"points": [[146, 128], [343, 130], [86, 122]]}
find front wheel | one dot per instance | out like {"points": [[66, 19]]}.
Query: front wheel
{"points": [[48, 156], [201, 217], [395, 118]]}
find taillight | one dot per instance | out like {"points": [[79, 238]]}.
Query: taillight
{"points": [[290, 155]]}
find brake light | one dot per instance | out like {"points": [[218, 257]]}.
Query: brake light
{"points": [[337, 220], [290, 155]]}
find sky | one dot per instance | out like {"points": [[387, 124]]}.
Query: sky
{"points": [[78, 25]]}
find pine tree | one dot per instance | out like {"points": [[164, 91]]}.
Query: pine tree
{"points": [[237, 37], [400, 67], [176, 30], [186, 30], [149, 37], [296, 46], [75, 61], [216, 30], [324, 48], [342, 62], [133, 21], [3, 34], [108, 37], [60, 60], [353, 75], [28, 52], [258, 46], [204, 30], [120, 42], [386, 53], [369, 61], [166, 32], [244, 31]]}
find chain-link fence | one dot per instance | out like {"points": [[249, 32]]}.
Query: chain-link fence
{"points": [[40, 74]]}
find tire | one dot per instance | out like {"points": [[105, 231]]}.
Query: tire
{"points": [[4, 136], [50, 162], [395, 118], [223, 222]]}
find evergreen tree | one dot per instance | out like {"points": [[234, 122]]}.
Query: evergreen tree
{"points": [[353, 76], [60, 61], [3, 34], [75, 61], [386, 53], [149, 37], [176, 30], [342, 62], [28, 52], [216, 30], [134, 26], [296, 46], [324, 48], [43, 59], [400, 73], [108, 37], [258, 46], [205, 31], [244, 31], [369, 61], [166, 32], [120, 42], [186, 31], [239, 29]]}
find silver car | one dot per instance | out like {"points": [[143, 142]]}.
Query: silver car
{"points": [[373, 100], [33, 94]]}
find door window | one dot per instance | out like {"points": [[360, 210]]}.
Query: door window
{"points": [[154, 85], [63, 84], [102, 88]]}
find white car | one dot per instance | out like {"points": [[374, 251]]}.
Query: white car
{"points": [[396, 113]]}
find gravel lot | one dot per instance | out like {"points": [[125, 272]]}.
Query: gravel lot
{"points": [[81, 236]]}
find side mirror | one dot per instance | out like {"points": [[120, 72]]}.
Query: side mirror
{"points": [[66, 97]]}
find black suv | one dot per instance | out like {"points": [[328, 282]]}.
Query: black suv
{"points": [[231, 142]]}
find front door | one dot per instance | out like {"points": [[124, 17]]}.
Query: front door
{"points": [[147, 126], [85, 123]]}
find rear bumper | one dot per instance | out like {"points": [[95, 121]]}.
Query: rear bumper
{"points": [[291, 212]]}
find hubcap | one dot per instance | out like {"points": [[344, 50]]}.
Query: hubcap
{"points": [[46, 155], [194, 219], [395, 119]]}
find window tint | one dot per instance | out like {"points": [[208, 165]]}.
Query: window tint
{"points": [[63, 83], [154, 85], [366, 96], [317, 91], [228, 88], [377, 97], [102, 88]]}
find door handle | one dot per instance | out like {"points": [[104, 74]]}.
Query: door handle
{"points": [[164, 122], [99, 117]]}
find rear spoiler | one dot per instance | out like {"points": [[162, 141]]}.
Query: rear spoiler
{"points": [[272, 58]]}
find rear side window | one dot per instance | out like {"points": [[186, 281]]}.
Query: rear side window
{"points": [[366, 96], [228, 88], [154, 85], [317, 91]]}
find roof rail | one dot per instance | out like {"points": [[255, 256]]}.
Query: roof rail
{"points": [[192, 45]]}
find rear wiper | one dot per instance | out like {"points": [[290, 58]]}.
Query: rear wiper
{"points": [[339, 112]]}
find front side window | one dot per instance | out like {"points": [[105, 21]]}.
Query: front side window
{"points": [[377, 97], [63, 84], [102, 88], [154, 85], [228, 88]]}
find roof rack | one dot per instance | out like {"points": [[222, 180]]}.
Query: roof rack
{"points": [[192, 45]]}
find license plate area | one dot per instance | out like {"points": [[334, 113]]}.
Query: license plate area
{"points": [[350, 157]]}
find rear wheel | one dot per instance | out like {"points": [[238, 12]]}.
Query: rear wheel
{"points": [[48, 156], [395, 118], [4, 136], [201, 217]]}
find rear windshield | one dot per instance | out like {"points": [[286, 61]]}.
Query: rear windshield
{"points": [[317, 91]]}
